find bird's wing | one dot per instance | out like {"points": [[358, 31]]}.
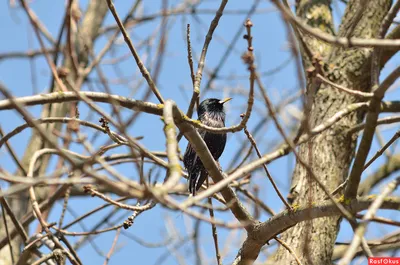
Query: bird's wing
{"points": [[215, 143], [190, 158], [194, 167]]}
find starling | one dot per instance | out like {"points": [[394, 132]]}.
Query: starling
{"points": [[211, 113]]}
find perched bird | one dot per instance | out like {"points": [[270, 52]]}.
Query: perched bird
{"points": [[211, 113]]}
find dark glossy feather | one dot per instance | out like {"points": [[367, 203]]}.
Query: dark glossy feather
{"points": [[210, 113]]}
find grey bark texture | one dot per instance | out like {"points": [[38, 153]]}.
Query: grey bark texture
{"points": [[330, 153]]}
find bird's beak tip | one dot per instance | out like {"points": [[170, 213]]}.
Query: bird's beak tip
{"points": [[224, 100]]}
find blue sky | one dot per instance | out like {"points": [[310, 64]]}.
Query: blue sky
{"points": [[159, 224]]}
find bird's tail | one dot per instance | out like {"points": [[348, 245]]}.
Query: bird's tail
{"points": [[196, 180]]}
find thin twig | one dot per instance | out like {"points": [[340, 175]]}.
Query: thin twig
{"points": [[200, 67], [382, 150], [365, 144], [292, 252], [3, 214], [230, 48], [112, 246], [360, 94], [358, 234], [65, 204], [249, 59], [89, 189], [214, 230], [189, 51], [52, 66], [338, 41], [135, 54], [253, 143]]}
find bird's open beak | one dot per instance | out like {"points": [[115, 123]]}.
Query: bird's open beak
{"points": [[224, 100]]}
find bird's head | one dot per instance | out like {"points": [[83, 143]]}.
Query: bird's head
{"points": [[212, 105]]}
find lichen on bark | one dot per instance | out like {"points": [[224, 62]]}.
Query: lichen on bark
{"points": [[330, 153]]}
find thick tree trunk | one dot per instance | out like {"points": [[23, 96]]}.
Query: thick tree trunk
{"points": [[330, 153]]}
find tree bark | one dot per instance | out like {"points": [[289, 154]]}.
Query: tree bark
{"points": [[329, 154]]}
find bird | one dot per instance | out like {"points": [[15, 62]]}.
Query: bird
{"points": [[211, 113]]}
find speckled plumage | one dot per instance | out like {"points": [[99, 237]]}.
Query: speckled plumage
{"points": [[211, 113]]}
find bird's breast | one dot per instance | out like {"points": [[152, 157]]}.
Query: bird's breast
{"points": [[213, 119]]}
